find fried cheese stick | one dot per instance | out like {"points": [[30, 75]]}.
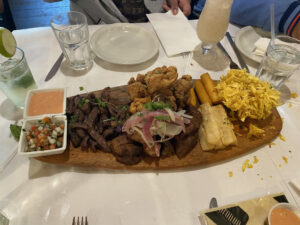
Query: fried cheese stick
{"points": [[201, 92], [210, 88]]}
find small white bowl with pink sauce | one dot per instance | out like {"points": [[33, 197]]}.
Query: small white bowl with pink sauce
{"points": [[284, 214]]}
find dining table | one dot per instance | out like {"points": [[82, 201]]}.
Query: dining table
{"points": [[38, 193]]}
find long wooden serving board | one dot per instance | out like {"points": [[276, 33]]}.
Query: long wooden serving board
{"points": [[76, 157]]}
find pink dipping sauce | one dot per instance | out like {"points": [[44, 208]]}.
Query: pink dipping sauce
{"points": [[281, 216], [49, 102]]}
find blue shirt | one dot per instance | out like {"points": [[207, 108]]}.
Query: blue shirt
{"points": [[257, 13]]}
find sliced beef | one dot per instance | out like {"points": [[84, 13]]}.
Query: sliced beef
{"points": [[100, 140], [185, 142], [85, 143], [126, 151], [90, 120], [94, 145], [79, 115], [105, 94], [119, 96], [108, 133], [75, 139], [79, 125], [113, 110], [81, 132], [167, 149], [70, 105], [86, 108]]}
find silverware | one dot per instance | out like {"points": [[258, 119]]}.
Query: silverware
{"points": [[232, 65], [237, 53], [55, 67], [213, 203], [85, 222]]}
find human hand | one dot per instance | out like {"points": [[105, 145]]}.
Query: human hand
{"points": [[185, 6]]}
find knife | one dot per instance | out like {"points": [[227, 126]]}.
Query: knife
{"points": [[55, 67], [232, 65], [237, 53]]}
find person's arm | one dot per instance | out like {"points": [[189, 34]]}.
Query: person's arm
{"points": [[257, 13]]}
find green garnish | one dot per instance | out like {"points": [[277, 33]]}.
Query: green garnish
{"points": [[86, 100], [124, 107], [100, 103], [140, 114], [81, 102], [15, 131], [162, 117], [120, 121], [112, 118], [81, 88], [152, 106]]}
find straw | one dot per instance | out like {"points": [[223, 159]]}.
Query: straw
{"points": [[272, 24]]}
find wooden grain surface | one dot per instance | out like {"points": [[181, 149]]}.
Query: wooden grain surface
{"points": [[196, 158]]}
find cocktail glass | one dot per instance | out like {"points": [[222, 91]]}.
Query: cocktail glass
{"points": [[212, 26], [16, 78]]}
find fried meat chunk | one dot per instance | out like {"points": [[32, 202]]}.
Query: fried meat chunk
{"points": [[137, 90], [181, 89], [138, 104], [160, 78]]}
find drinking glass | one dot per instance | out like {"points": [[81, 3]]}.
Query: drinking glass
{"points": [[212, 25], [279, 63], [16, 78], [71, 31]]}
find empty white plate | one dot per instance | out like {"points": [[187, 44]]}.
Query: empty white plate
{"points": [[123, 43], [245, 40]]}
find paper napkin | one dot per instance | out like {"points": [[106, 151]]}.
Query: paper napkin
{"points": [[175, 33]]}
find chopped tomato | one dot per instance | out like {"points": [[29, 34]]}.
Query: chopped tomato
{"points": [[52, 127], [46, 147], [36, 133], [52, 146], [33, 127], [35, 140], [46, 120], [46, 131]]}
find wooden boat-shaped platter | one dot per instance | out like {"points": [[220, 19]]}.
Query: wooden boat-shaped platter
{"points": [[196, 158]]}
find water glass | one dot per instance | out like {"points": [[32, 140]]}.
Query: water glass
{"points": [[16, 78], [279, 64], [71, 31]]}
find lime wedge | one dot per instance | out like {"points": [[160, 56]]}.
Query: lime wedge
{"points": [[8, 43]]}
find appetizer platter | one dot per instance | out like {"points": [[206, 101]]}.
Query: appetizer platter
{"points": [[162, 121]]}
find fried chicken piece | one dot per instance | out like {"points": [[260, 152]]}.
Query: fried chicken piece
{"points": [[140, 78], [138, 104], [160, 78], [181, 89], [137, 90], [131, 81]]}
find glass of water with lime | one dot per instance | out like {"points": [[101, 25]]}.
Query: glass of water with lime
{"points": [[15, 76]]}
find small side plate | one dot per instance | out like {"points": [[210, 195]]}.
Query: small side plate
{"points": [[124, 44]]}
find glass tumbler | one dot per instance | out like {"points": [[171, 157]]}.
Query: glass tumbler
{"points": [[16, 78], [279, 64], [71, 31]]}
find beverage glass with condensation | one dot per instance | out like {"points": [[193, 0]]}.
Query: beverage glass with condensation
{"points": [[16, 78], [279, 64], [71, 31]]}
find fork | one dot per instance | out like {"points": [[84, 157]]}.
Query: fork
{"points": [[232, 64], [78, 221], [229, 217]]}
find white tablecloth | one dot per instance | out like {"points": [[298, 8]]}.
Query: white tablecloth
{"points": [[36, 193]]}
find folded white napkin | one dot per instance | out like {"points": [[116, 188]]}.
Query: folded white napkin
{"points": [[175, 33], [261, 45]]}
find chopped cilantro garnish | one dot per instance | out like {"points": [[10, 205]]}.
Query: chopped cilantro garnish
{"points": [[86, 100], [162, 117], [140, 114], [124, 107], [152, 106], [81, 88], [112, 118], [120, 121], [81, 102], [100, 103]]}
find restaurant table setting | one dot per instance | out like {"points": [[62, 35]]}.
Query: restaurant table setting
{"points": [[37, 193]]}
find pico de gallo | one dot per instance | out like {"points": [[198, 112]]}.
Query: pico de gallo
{"points": [[45, 135]]}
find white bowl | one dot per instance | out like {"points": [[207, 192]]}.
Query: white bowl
{"points": [[288, 206], [27, 125], [31, 92]]}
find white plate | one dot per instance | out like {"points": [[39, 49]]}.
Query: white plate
{"points": [[245, 40], [124, 43]]}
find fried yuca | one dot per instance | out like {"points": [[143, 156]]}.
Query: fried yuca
{"points": [[247, 95]]}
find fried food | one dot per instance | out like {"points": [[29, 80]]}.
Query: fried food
{"points": [[160, 78], [181, 89], [137, 90], [192, 98], [138, 104], [247, 95], [201, 92], [210, 88]]}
